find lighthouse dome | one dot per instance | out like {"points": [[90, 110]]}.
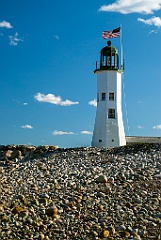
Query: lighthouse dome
{"points": [[109, 58], [109, 49]]}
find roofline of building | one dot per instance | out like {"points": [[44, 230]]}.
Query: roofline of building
{"points": [[142, 139]]}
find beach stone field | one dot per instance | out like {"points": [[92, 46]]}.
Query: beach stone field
{"points": [[80, 193]]}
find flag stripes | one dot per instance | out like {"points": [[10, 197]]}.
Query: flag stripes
{"points": [[111, 33]]}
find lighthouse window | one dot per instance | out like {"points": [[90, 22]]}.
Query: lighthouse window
{"points": [[111, 96], [111, 113], [103, 60], [103, 96], [108, 60], [113, 60]]}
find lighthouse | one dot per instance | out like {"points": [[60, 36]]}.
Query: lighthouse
{"points": [[108, 127]]}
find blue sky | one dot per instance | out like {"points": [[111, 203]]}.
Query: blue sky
{"points": [[48, 51]]}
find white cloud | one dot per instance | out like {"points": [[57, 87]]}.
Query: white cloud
{"points": [[56, 37], [140, 127], [27, 126], [25, 103], [60, 133], [132, 6], [156, 21], [153, 31], [15, 39], [93, 103], [5, 24], [51, 98], [158, 127], [86, 132]]}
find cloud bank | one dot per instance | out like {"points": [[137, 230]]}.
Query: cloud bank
{"points": [[86, 132], [60, 133], [131, 6], [156, 21], [158, 127], [51, 98], [14, 39], [5, 24], [27, 126], [93, 103]]}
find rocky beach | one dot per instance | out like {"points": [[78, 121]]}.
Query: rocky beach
{"points": [[50, 193]]}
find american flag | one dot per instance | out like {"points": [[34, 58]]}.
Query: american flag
{"points": [[111, 34]]}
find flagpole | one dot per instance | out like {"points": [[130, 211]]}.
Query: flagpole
{"points": [[121, 49]]}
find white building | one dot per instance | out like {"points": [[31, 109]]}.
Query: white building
{"points": [[109, 128]]}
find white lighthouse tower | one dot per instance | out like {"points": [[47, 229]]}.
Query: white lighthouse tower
{"points": [[109, 128]]}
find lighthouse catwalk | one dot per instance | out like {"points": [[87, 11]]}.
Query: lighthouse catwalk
{"points": [[108, 127]]}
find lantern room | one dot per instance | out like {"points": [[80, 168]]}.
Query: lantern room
{"points": [[109, 59]]}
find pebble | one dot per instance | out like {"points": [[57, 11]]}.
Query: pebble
{"points": [[106, 233], [80, 193], [101, 179]]}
